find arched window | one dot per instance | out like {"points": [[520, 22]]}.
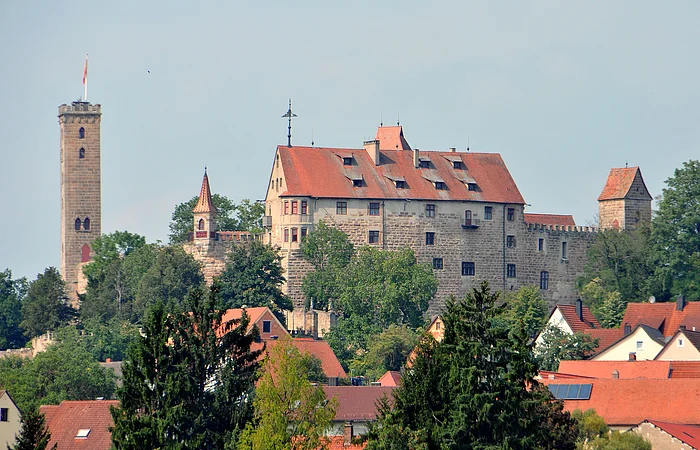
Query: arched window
{"points": [[86, 224], [467, 218], [81, 153], [77, 224], [200, 225], [81, 133]]}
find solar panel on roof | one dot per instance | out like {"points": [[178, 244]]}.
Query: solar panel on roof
{"points": [[571, 391], [585, 392]]}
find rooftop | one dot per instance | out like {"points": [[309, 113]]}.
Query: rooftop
{"points": [[357, 403], [549, 219], [619, 183], [665, 317], [90, 417]]}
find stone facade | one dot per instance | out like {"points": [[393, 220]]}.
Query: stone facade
{"points": [[659, 439], [81, 213], [630, 207]]}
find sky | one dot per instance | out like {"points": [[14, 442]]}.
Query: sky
{"points": [[563, 90]]}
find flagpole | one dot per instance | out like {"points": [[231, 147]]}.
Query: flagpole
{"points": [[85, 77]]}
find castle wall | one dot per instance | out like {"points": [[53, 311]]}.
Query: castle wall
{"points": [[210, 254]]}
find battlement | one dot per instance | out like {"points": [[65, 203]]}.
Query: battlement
{"points": [[565, 228], [79, 108]]}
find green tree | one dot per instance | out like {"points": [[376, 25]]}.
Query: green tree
{"points": [[253, 277], [557, 345], [675, 236], [101, 339], [250, 215], [591, 425], [12, 293], [188, 380], [527, 305], [290, 412], [182, 219], [473, 390], [389, 350], [33, 435], [109, 248], [45, 307], [619, 441], [607, 307], [314, 368]]}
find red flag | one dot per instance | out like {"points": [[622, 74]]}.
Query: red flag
{"points": [[85, 70]]}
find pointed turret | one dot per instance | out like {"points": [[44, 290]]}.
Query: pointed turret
{"points": [[204, 204], [205, 212]]}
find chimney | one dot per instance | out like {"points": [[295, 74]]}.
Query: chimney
{"points": [[416, 155], [579, 309], [108, 360], [615, 374], [628, 329], [453, 149], [632, 357], [348, 433], [372, 149], [680, 303]]}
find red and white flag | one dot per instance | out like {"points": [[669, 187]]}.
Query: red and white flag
{"points": [[85, 70]]}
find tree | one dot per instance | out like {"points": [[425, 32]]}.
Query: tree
{"points": [[619, 441], [473, 390], [527, 305], [250, 216], [253, 277], [109, 248], [33, 435], [290, 412], [591, 425], [182, 219], [12, 293], [188, 380], [557, 345], [45, 307], [675, 236], [607, 307], [389, 350], [102, 340]]}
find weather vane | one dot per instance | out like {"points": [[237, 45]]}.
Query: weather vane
{"points": [[289, 116]]}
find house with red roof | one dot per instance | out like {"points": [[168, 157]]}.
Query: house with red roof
{"points": [[656, 370], [641, 343], [80, 424], [669, 436], [667, 317], [261, 317], [391, 378], [571, 319], [682, 346], [357, 407], [10, 419], [320, 349]]}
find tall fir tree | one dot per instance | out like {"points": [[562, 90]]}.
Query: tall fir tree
{"points": [[33, 435]]}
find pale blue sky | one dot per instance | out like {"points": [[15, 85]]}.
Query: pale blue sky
{"points": [[563, 90]]}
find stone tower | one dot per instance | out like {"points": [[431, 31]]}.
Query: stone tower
{"points": [[625, 201], [81, 210]]}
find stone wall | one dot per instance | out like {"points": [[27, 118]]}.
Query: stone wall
{"points": [[211, 254], [660, 440]]}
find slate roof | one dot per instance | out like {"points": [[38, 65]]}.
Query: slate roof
{"points": [[391, 138], [357, 403], [549, 219], [204, 204], [619, 183], [390, 378], [319, 172], [688, 434], [64, 421], [625, 369], [663, 316], [576, 324]]}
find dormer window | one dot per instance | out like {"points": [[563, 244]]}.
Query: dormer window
{"points": [[400, 184], [457, 164], [357, 182], [471, 186], [347, 161], [424, 163], [439, 185]]}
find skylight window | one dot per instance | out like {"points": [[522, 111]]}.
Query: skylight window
{"points": [[83, 433]]}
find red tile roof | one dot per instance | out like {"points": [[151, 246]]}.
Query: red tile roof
{"points": [[64, 421], [320, 349], [204, 204], [606, 336], [254, 313], [390, 378], [391, 138], [625, 369], [663, 316], [549, 219], [685, 369], [357, 402], [688, 434], [619, 183], [569, 313], [319, 172], [629, 402], [338, 443]]}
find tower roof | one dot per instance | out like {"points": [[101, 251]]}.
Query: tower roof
{"points": [[204, 204], [391, 138], [619, 183]]}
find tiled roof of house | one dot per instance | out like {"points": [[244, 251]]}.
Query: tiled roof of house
{"points": [[693, 337], [390, 378], [550, 375], [576, 324], [663, 316], [391, 138], [619, 183], [685, 369], [606, 336], [65, 420], [357, 402], [629, 402], [236, 313], [319, 172], [320, 349], [338, 443], [688, 434], [549, 219], [624, 369], [204, 204]]}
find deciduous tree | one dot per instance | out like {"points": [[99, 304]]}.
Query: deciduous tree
{"points": [[557, 345], [389, 350], [607, 307], [182, 220], [12, 293], [46, 305]]}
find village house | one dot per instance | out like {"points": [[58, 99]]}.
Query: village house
{"points": [[10, 418], [80, 424]]}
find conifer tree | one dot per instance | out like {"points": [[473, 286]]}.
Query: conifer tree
{"points": [[33, 435]]}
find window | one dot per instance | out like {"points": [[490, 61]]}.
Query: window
{"points": [[467, 218], [374, 237], [511, 214], [78, 223], [437, 263], [680, 342], [200, 224], [439, 185], [510, 270], [267, 326], [488, 212], [640, 345], [540, 244], [286, 235], [430, 238], [374, 209], [295, 236], [424, 163], [81, 133], [81, 153], [457, 164], [3, 414], [277, 160], [347, 161], [341, 207], [86, 224], [357, 183], [286, 208], [400, 184], [304, 207], [429, 210], [295, 207], [544, 280], [468, 268], [303, 232], [438, 325], [510, 241], [83, 433], [471, 186], [564, 253]]}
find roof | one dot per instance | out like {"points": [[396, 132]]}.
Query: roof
{"points": [[320, 349], [549, 219], [625, 369], [663, 316], [619, 183], [64, 421], [319, 172], [390, 378], [606, 336], [685, 369], [688, 434], [629, 402], [391, 138], [572, 319], [338, 443], [357, 402], [204, 204], [253, 313]]}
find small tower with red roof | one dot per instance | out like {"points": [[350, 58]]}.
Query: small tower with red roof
{"points": [[205, 213], [625, 201]]}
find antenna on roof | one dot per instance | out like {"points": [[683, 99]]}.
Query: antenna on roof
{"points": [[289, 114], [312, 136], [467, 141], [398, 118], [626, 164], [381, 119]]}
